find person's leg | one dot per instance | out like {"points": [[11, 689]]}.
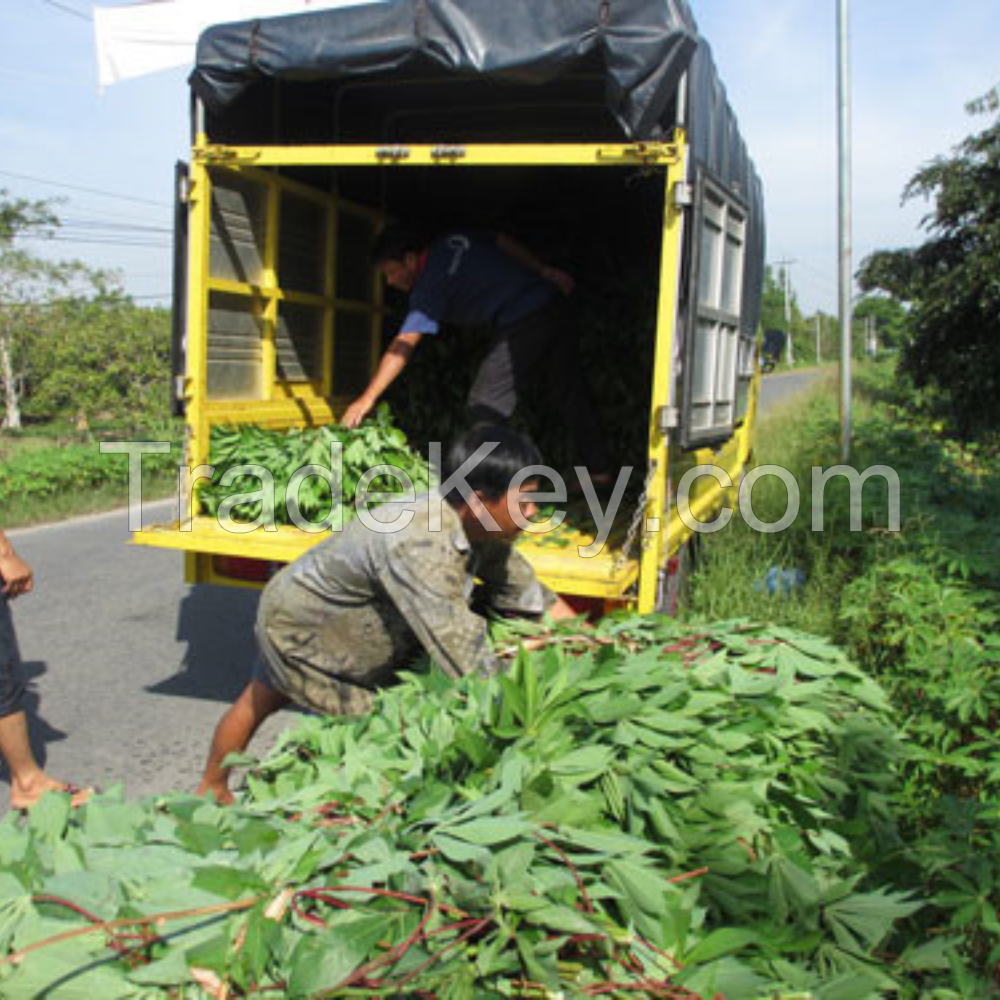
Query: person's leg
{"points": [[234, 731], [28, 781], [544, 346], [493, 395]]}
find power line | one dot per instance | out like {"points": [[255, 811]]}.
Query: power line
{"points": [[68, 225], [102, 241], [68, 10], [85, 190], [72, 207]]}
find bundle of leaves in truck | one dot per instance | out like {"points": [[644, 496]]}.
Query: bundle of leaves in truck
{"points": [[282, 454], [639, 810]]}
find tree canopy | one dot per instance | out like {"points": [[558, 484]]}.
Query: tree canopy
{"points": [[71, 342], [951, 282]]}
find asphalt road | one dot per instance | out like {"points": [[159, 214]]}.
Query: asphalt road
{"points": [[129, 669], [781, 388]]}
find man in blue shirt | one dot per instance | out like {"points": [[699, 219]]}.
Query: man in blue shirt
{"points": [[470, 279]]}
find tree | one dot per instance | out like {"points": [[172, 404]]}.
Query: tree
{"points": [[28, 284], [892, 319], [952, 281], [772, 301], [102, 356], [71, 343]]}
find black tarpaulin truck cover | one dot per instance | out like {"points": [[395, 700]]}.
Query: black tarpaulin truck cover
{"points": [[643, 48]]}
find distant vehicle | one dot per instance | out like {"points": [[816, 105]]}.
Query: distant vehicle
{"points": [[774, 344]]}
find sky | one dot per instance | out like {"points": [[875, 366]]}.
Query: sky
{"points": [[914, 63]]}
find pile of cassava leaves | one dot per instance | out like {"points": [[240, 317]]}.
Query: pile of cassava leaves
{"points": [[283, 453], [633, 810]]}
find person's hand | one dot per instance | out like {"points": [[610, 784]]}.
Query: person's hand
{"points": [[18, 577], [356, 412], [563, 280]]}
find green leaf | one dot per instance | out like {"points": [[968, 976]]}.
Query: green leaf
{"points": [[49, 816], [459, 851], [589, 761], [724, 941], [490, 830], [642, 886], [323, 961], [561, 919]]}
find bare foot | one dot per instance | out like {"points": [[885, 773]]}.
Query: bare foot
{"points": [[25, 796], [220, 793]]}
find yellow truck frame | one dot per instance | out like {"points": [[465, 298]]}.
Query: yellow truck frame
{"points": [[630, 574]]}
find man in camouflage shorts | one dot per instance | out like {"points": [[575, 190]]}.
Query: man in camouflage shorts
{"points": [[338, 623]]}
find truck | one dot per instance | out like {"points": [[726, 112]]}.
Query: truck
{"points": [[598, 133]]}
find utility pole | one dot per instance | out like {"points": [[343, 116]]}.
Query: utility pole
{"points": [[819, 339], [845, 221], [786, 282]]}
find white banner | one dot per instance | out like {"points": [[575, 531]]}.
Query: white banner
{"points": [[146, 37]]}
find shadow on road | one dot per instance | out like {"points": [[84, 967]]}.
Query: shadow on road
{"points": [[215, 624]]}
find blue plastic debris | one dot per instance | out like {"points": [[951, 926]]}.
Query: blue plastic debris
{"points": [[780, 581]]}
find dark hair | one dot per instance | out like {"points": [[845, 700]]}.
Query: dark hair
{"points": [[396, 241], [492, 475]]}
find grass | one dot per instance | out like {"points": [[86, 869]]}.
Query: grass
{"points": [[733, 563], [54, 472], [24, 511], [919, 609]]}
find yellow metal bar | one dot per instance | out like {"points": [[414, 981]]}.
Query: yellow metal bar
{"points": [[293, 411], [732, 457], [564, 573], [292, 186], [265, 291], [230, 287], [653, 540], [478, 155], [199, 253], [269, 278], [282, 182]]}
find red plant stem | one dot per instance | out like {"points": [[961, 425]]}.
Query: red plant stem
{"points": [[419, 900], [473, 924], [460, 925], [643, 986], [322, 894], [658, 951], [692, 874], [587, 904], [116, 940], [471, 932], [586, 938], [392, 808], [394, 954], [682, 644]]}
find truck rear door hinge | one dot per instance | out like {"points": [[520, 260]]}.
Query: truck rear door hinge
{"points": [[393, 153], [448, 153], [647, 153]]}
